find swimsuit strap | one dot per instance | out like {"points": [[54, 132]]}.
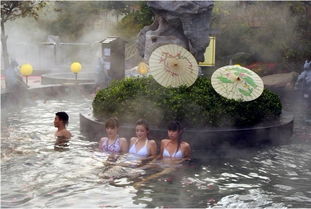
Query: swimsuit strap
{"points": [[136, 141], [146, 143], [114, 143], [174, 154], [103, 142], [111, 147], [143, 151]]}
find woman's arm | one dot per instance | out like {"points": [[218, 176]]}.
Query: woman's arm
{"points": [[152, 148], [124, 145], [100, 144], [158, 155], [187, 151], [132, 141]]}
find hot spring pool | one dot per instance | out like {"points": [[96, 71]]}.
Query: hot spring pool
{"points": [[34, 175]]}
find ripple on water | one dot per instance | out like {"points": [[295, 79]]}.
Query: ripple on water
{"points": [[34, 175], [15, 200]]}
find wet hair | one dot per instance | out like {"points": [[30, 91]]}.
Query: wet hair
{"points": [[176, 126], [142, 122], [112, 123], [63, 117]]}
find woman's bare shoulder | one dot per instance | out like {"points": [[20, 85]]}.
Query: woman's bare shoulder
{"points": [[103, 139], [164, 141], [152, 142], [185, 144], [122, 139], [133, 139]]}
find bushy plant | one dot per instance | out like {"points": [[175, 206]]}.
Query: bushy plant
{"points": [[134, 21], [263, 31], [196, 106]]}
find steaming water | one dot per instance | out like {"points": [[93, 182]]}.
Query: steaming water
{"points": [[34, 175]]}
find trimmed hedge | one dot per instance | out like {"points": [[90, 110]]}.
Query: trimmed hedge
{"points": [[196, 106]]}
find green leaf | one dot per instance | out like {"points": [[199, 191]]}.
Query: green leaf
{"points": [[246, 93], [224, 79], [241, 70], [250, 81]]}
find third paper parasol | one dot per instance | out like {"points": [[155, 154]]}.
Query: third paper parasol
{"points": [[172, 66], [237, 82]]}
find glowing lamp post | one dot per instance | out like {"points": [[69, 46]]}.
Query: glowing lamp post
{"points": [[75, 68], [26, 70], [142, 68]]}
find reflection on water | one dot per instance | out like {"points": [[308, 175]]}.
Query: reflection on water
{"points": [[34, 175]]}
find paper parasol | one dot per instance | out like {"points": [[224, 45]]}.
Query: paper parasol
{"points": [[172, 66], [238, 83]]}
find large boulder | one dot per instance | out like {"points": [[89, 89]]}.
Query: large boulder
{"points": [[185, 23]]}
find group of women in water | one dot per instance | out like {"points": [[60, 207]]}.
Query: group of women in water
{"points": [[172, 147]]}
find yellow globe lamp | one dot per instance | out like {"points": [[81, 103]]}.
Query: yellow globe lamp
{"points": [[75, 67], [142, 68], [26, 70]]}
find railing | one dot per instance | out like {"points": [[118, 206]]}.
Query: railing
{"points": [[50, 55], [131, 50]]}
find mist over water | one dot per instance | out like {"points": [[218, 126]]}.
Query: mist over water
{"points": [[266, 24], [28, 40], [34, 175]]}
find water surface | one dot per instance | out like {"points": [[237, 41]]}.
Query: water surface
{"points": [[33, 174]]}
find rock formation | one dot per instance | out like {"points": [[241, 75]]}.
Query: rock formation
{"points": [[185, 23]]}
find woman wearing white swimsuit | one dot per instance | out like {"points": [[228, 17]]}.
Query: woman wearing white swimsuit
{"points": [[174, 147], [173, 150], [140, 145]]}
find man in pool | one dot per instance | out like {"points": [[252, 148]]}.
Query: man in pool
{"points": [[62, 134]]}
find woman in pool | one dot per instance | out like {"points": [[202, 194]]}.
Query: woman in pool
{"points": [[141, 150], [141, 145], [113, 144], [173, 152], [174, 147]]}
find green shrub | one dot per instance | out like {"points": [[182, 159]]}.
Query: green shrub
{"points": [[195, 106], [134, 21]]}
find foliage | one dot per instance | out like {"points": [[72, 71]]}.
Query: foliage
{"points": [[195, 106], [135, 20], [10, 10], [262, 31], [122, 7], [78, 17], [74, 18]]}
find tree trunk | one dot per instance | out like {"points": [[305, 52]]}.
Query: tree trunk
{"points": [[5, 54]]}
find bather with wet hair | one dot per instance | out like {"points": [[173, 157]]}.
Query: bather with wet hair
{"points": [[62, 135]]}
